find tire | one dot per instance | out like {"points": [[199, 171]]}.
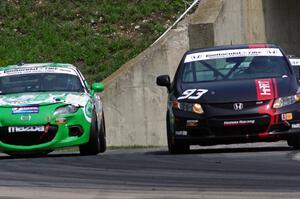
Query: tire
{"points": [[102, 135], [173, 146], [294, 142], [93, 146]]}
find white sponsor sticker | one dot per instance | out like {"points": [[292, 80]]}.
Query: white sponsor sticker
{"points": [[296, 126], [233, 53], [192, 94], [181, 133], [295, 62], [30, 70], [17, 129]]}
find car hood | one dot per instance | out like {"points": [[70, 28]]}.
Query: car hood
{"points": [[240, 90], [44, 98]]}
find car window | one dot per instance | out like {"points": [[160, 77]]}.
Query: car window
{"points": [[40, 82]]}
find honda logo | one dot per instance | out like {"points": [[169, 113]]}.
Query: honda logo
{"points": [[238, 106]]}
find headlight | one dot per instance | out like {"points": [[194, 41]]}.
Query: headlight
{"points": [[189, 107], [285, 101], [65, 110]]}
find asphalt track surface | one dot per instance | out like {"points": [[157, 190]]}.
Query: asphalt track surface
{"points": [[269, 170]]}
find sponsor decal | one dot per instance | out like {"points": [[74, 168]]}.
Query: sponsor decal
{"points": [[17, 129], [192, 94], [296, 126], [264, 89], [239, 123], [30, 70], [192, 123], [295, 62], [233, 53], [181, 133], [25, 109], [286, 116]]}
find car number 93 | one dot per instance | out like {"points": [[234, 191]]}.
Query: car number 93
{"points": [[192, 94]]}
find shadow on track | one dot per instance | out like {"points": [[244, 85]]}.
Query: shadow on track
{"points": [[54, 155], [226, 150]]}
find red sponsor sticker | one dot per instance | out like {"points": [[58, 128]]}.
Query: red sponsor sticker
{"points": [[264, 89]]}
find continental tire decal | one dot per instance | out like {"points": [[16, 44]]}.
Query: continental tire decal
{"points": [[232, 53]]}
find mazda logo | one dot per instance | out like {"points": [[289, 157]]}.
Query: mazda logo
{"points": [[238, 106]]}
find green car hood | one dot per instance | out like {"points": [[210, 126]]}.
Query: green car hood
{"points": [[44, 98]]}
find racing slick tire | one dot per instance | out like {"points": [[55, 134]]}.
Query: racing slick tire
{"points": [[93, 146], [173, 146], [294, 142]]}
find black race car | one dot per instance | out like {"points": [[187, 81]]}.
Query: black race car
{"points": [[295, 62], [232, 94]]}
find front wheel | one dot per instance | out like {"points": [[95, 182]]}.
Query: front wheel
{"points": [[173, 146], [93, 147]]}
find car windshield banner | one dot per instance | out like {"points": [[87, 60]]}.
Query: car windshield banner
{"points": [[232, 53], [30, 70]]}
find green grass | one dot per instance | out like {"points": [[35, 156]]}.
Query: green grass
{"points": [[98, 36]]}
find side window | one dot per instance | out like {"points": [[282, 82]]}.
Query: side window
{"points": [[188, 74]]}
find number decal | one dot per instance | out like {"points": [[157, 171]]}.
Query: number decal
{"points": [[192, 94]]}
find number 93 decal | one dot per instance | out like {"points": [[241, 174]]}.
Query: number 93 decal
{"points": [[192, 94]]}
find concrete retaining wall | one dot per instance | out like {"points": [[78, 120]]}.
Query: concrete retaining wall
{"points": [[134, 106], [224, 22], [282, 24]]}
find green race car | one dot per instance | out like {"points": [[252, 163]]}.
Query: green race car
{"points": [[48, 106]]}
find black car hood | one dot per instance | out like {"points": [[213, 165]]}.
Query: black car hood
{"points": [[241, 90]]}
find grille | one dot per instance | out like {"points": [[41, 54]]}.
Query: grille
{"points": [[27, 138], [246, 105]]}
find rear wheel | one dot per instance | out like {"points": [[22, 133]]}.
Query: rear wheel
{"points": [[173, 146], [93, 146]]}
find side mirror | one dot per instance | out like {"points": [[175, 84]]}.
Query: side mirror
{"points": [[97, 87], [163, 80]]}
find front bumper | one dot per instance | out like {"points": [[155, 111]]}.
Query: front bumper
{"points": [[62, 131], [228, 129]]}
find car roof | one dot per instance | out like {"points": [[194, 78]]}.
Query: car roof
{"points": [[56, 65], [230, 47]]}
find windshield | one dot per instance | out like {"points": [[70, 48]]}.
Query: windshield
{"points": [[231, 68], [40, 82]]}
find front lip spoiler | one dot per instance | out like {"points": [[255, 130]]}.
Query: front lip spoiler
{"points": [[215, 140]]}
